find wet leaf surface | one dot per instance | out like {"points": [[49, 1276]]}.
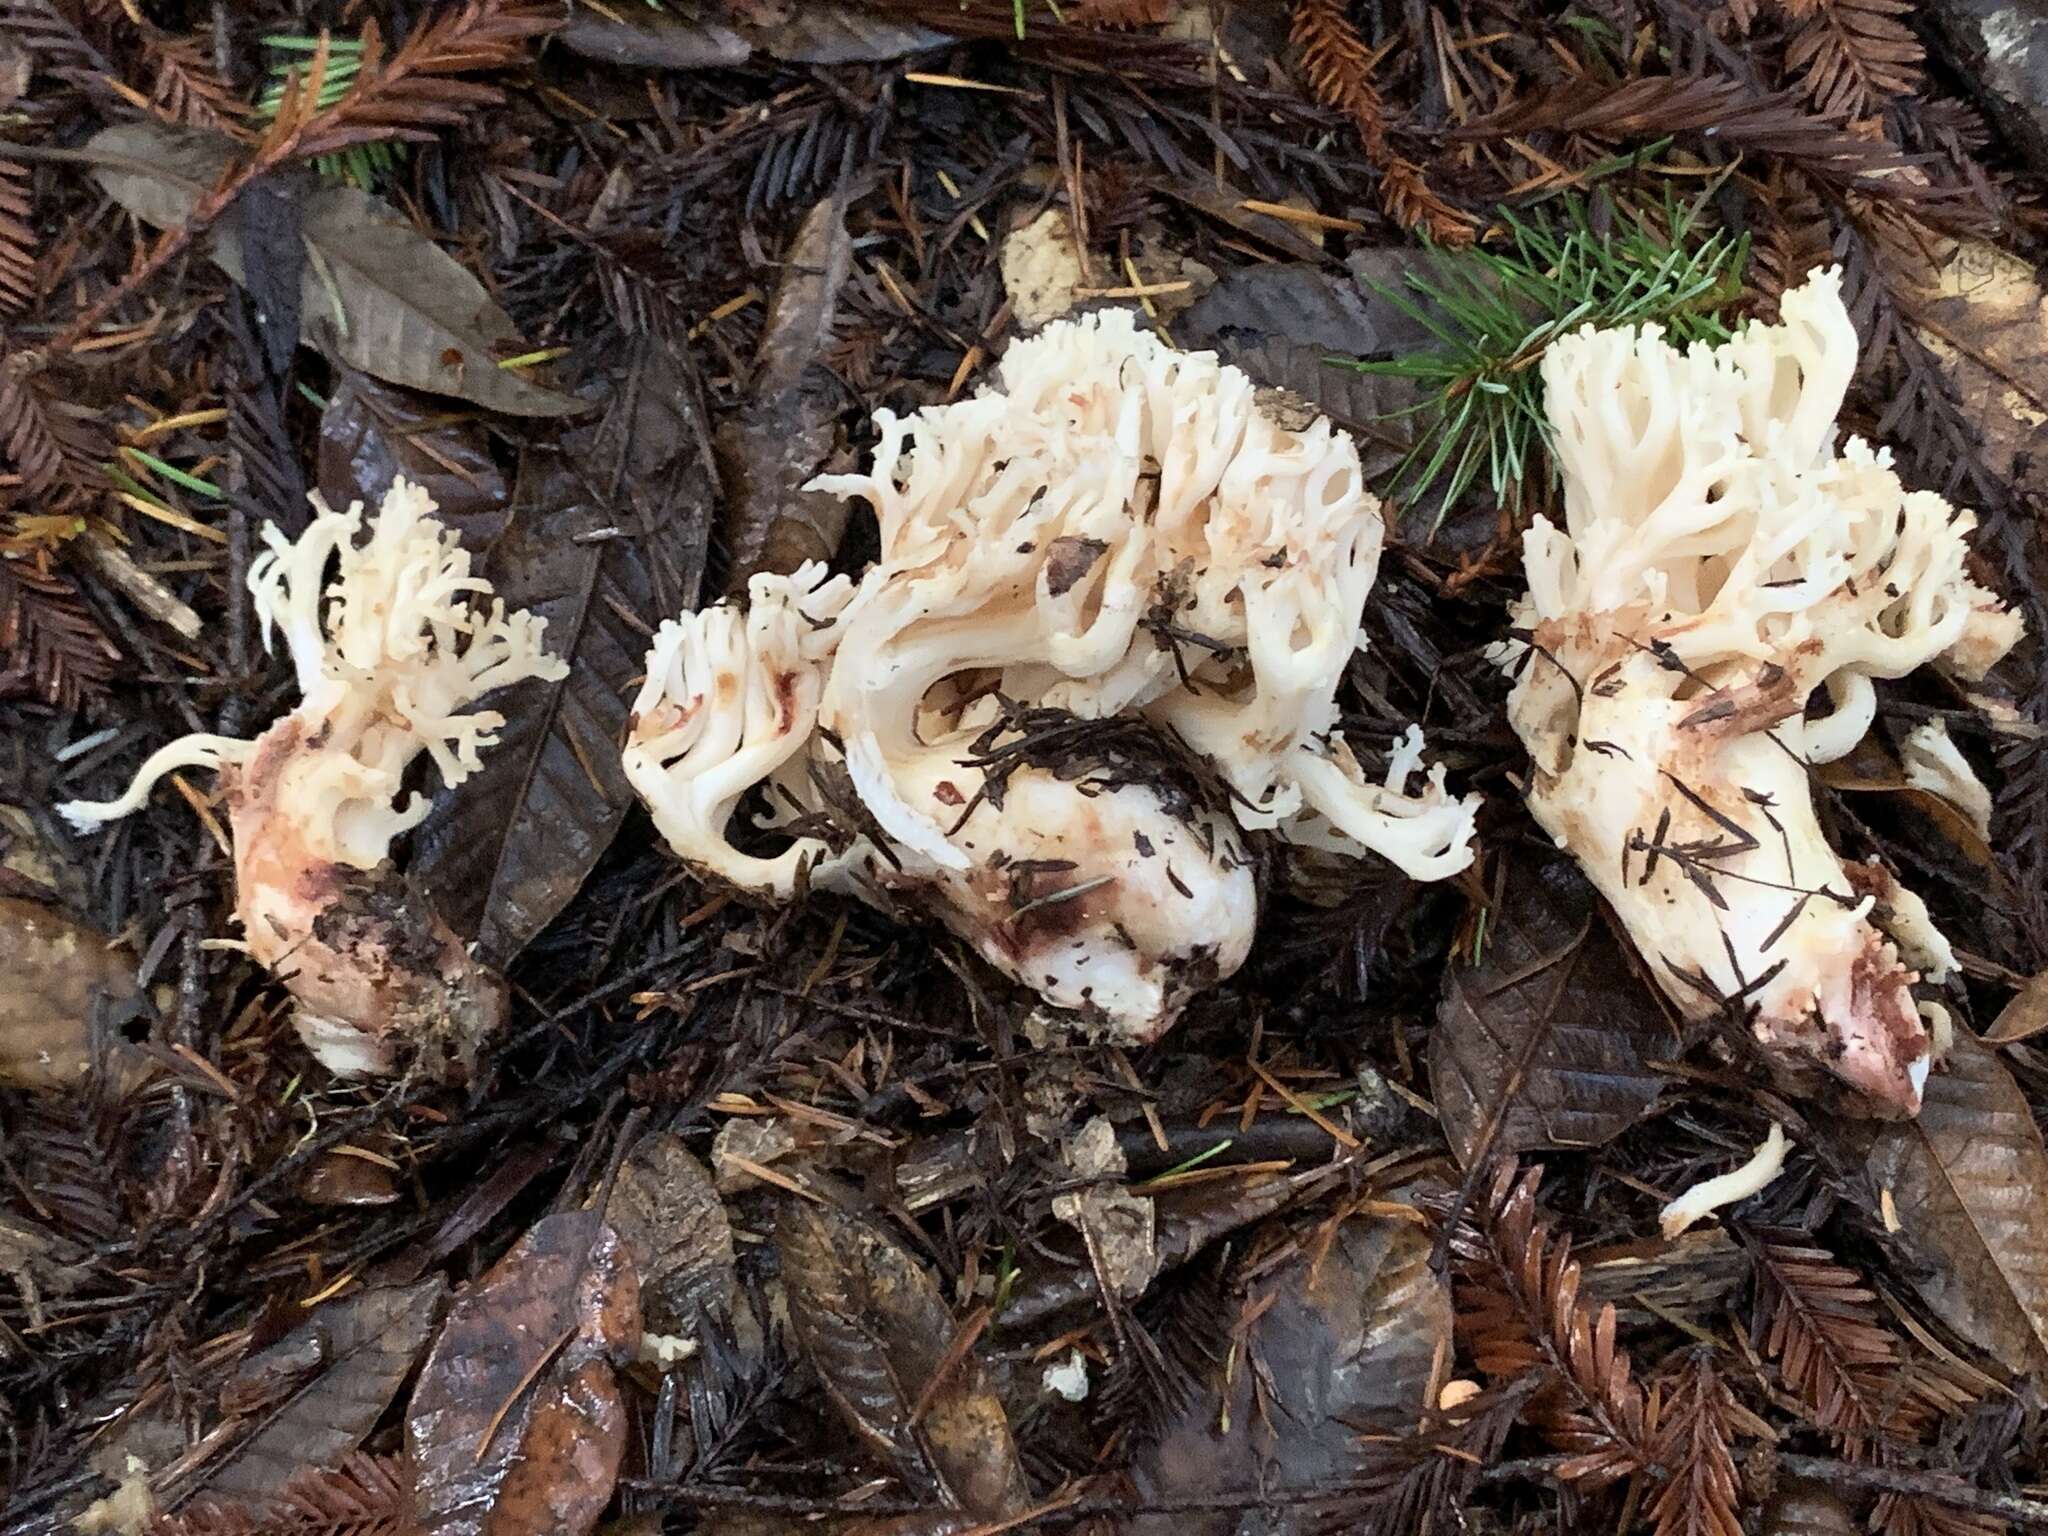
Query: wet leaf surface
{"points": [[783, 436], [315, 1393], [372, 432], [1805, 1508], [517, 1427], [1551, 1040], [607, 539], [667, 1212], [2024, 1017], [376, 293], [877, 1331], [1343, 1340], [66, 992], [1969, 1181]]}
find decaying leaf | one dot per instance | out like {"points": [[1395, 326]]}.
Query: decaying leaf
{"points": [[2024, 1017], [1340, 1344], [606, 541], [878, 1332], [376, 293], [784, 434], [517, 1426], [372, 432], [65, 991], [316, 1392], [716, 35], [1929, 821], [1550, 1040], [1292, 325], [1985, 319], [667, 1212], [1969, 1180]]}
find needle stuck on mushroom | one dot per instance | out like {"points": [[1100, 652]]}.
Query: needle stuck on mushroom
{"points": [[1100, 646], [1722, 564], [386, 672]]}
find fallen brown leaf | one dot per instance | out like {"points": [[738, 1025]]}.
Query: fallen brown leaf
{"points": [[517, 1426], [1550, 1040], [877, 1331], [57, 977], [319, 1390], [1350, 1329], [1969, 1181]]}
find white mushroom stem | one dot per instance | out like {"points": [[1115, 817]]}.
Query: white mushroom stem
{"points": [[1709, 1195]]}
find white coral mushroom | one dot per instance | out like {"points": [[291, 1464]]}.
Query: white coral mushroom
{"points": [[1721, 563], [1102, 642], [388, 671]]}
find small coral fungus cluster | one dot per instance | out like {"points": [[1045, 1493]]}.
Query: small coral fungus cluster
{"points": [[387, 672], [1101, 645], [1722, 562]]}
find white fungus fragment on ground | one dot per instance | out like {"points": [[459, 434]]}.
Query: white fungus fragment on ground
{"points": [[1709, 1195], [666, 1349], [1721, 564], [391, 655], [1041, 269], [1456, 1394], [1069, 1378], [1101, 646], [1934, 762]]}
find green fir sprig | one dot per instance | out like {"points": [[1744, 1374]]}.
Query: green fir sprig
{"points": [[1494, 312], [360, 165]]}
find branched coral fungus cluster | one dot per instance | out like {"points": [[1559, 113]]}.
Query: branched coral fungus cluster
{"points": [[386, 672], [1120, 535], [1096, 663], [1722, 562]]}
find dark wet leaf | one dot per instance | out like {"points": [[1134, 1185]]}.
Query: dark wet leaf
{"points": [[667, 1212], [1552, 1034], [1284, 323], [1226, 206], [2024, 1017], [275, 256], [517, 1425], [719, 36], [1344, 1349], [1969, 1181], [65, 990], [376, 293], [372, 432], [320, 1389], [785, 432], [607, 542], [877, 1331], [1186, 1221]]}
